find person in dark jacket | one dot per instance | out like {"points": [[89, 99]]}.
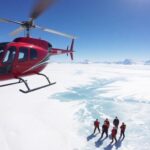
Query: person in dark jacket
{"points": [[96, 126], [113, 134], [122, 130], [104, 130], [116, 122]]}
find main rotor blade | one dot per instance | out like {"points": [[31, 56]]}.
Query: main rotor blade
{"points": [[56, 32], [40, 6], [17, 31], [9, 21]]}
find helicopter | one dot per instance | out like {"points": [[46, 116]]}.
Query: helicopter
{"points": [[26, 55]]}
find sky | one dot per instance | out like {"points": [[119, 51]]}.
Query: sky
{"points": [[106, 30]]}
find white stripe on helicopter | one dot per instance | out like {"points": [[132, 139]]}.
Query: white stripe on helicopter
{"points": [[37, 65]]}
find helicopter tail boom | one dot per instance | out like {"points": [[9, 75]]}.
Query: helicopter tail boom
{"points": [[56, 51]]}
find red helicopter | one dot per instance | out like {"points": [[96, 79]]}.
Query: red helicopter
{"points": [[29, 56]]}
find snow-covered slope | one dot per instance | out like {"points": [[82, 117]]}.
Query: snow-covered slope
{"points": [[61, 117]]}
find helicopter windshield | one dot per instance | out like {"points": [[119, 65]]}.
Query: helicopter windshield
{"points": [[2, 46], [1, 53]]}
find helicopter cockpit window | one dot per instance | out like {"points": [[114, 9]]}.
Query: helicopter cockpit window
{"points": [[2, 47], [33, 54], [1, 53], [23, 54], [10, 55]]}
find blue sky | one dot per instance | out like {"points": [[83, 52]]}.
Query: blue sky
{"points": [[106, 29]]}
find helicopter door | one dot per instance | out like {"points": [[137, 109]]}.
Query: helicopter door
{"points": [[22, 60], [8, 60]]}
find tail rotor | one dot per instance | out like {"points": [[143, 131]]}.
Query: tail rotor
{"points": [[71, 49]]}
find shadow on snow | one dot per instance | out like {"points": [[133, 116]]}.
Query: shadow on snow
{"points": [[90, 137]]}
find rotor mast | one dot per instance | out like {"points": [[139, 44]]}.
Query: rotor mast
{"points": [[27, 25]]}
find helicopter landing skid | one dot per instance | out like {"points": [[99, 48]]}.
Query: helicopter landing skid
{"points": [[31, 90], [11, 83]]}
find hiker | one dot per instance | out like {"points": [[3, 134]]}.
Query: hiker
{"points": [[122, 130], [104, 129], [116, 122], [113, 134], [107, 122], [96, 126]]}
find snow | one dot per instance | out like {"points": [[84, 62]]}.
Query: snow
{"points": [[61, 117]]}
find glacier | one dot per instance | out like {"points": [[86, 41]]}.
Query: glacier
{"points": [[62, 116]]}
